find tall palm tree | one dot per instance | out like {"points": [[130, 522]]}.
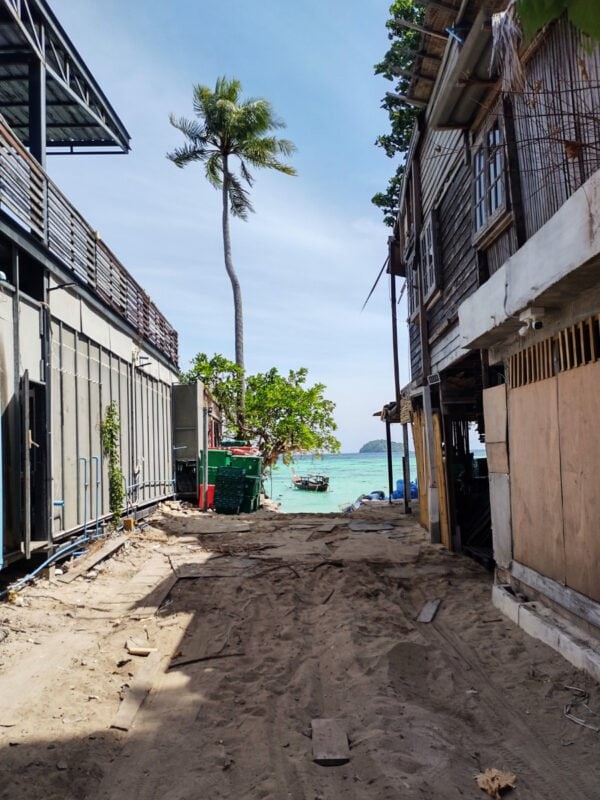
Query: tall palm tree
{"points": [[226, 127]]}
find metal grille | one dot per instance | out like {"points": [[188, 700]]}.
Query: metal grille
{"points": [[570, 348], [36, 204]]}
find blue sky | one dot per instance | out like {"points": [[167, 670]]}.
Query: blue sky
{"points": [[308, 257]]}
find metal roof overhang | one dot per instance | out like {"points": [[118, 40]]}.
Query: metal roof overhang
{"points": [[469, 81], [78, 115]]}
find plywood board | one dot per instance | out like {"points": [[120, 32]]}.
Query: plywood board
{"points": [[536, 503], [330, 742], [579, 413], [422, 471], [497, 458], [137, 693], [445, 537], [494, 412], [87, 562], [429, 610]]}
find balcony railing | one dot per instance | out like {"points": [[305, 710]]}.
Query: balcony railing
{"points": [[33, 201]]}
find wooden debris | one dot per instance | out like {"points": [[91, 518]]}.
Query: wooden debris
{"points": [[429, 610], [135, 649], [138, 691], [360, 526], [89, 561], [181, 662], [330, 742], [154, 600], [496, 782]]}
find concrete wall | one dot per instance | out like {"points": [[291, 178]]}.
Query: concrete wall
{"points": [[567, 242]]}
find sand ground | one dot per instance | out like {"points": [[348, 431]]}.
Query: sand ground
{"points": [[282, 619]]}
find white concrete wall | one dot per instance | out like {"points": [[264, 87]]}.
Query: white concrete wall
{"points": [[568, 240]]}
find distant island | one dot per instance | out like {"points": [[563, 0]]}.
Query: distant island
{"points": [[380, 446]]}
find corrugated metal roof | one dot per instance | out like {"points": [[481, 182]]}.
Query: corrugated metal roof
{"points": [[78, 115]]}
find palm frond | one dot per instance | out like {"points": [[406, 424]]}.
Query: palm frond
{"points": [[246, 174], [186, 154], [191, 129], [228, 88], [239, 199], [214, 170], [262, 152]]}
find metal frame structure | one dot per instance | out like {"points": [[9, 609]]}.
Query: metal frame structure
{"points": [[47, 94]]}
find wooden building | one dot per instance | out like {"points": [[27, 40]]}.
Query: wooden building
{"points": [[77, 332], [500, 240]]}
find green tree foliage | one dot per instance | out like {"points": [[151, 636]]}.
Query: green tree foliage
{"points": [[230, 130], [395, 67], [584, 14], [283, 414], [110, 432]]}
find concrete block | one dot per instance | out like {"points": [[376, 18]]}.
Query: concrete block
{"points": [[543, 624], [506, 602], [533, 622]]}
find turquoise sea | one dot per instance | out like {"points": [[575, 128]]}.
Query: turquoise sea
{"points": [[350, 475]]}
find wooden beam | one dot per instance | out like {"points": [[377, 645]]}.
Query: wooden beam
{"points": [[407, 73], [421, 29], [402, 98], [438, 4]]}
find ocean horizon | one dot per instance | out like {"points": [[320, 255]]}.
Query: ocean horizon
{"points": [[350, 476]]}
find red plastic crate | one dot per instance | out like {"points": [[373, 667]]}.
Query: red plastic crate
{"points": [[210, 494]]}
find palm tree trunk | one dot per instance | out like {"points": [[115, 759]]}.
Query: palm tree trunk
{"points": [[237, 295]]}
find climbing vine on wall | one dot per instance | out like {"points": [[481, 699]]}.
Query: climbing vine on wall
{"points": [[111, 438]]}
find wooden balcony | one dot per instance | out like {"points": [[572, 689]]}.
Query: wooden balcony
{"points": [[36, 204]]}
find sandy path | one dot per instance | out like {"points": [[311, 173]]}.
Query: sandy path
{"points": [[321, 625]]}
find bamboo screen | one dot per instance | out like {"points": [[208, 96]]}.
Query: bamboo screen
{"points": [[570, 348]]}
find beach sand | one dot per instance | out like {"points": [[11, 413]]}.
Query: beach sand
{"points": [[277, 620]]}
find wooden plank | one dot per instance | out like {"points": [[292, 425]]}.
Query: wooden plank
{"points": [[573, 601], [497, 457], [494, 412], [89, 561], [579, 411], [137, 693], [418, 437], [592, 326], [330, 742], [429, 610], [445, 537], [582, 343], [561, 351], [153, 601], [535, 481]]}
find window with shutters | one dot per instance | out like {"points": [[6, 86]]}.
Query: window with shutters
{"points": [[412, 291], [489, 182], [429, 256]]}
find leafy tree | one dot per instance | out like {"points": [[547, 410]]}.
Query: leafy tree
{"points": [[283, 415], [396, 67], [227, 128], [584, 14]]}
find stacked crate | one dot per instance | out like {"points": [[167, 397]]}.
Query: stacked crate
{"points": [[252, 466], [229, 490], [217, 458]]}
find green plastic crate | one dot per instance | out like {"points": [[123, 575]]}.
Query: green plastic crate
{"points": [[251, 464], [216, 458], [249, 505], [251, 486]]}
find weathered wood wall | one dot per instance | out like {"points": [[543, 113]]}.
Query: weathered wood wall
{"points": [[557, 124]]}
